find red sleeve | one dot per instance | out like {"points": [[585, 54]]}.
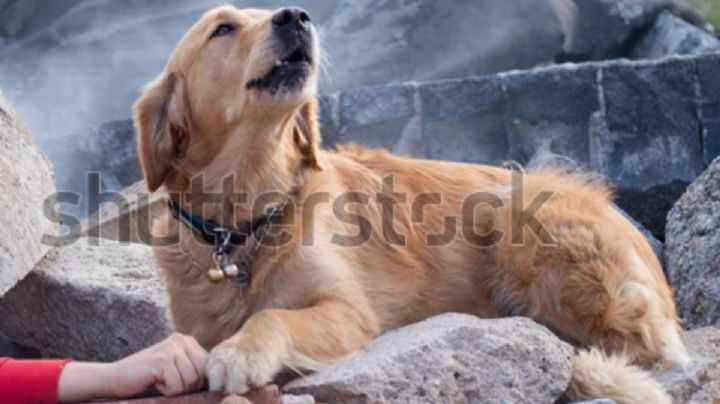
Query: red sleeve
{"points": [[30, 381]]}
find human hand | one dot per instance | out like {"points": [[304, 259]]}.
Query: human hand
{"points": [[173, 366]]}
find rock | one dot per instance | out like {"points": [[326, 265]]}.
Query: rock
{"points": [[635, 122], [540, 120], [450, 358], [447, 45], [378, 114], [89, 302], [291, 399], [269, 394], [700, 382], [653, 216], [27, 186], [647, 135], [604, 29], [463, 120], [708, 102], [670, 36], [128, 217], [657, 245], [598, 401], [14, 350], [693, 250]]}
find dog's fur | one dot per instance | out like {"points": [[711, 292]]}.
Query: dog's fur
{"points": [[312, 300]]}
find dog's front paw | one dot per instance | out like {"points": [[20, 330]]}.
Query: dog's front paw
{"points": [[236, 367]]}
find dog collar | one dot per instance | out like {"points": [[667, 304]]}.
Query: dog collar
{"points": [[225, 240]]}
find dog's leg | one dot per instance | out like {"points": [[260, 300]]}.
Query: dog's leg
{"points": [[305, 339]]}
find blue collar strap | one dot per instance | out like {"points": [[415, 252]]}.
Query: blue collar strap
{"points": [[224, 239]]}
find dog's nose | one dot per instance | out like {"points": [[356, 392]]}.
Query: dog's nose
{"points": [[291, 19]]}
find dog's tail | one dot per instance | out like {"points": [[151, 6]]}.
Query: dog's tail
{"points": [[596, 375]]}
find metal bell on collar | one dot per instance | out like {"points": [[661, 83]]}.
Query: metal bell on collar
{"points": [[231, 270], [215, 275], [220, 271]]}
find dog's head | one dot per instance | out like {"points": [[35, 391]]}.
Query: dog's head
{"points": [[236, 85]]}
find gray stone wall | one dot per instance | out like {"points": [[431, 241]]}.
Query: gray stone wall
{"points": [[651, 127]]}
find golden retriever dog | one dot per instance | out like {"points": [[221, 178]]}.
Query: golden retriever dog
{"points": [[355, 242]]}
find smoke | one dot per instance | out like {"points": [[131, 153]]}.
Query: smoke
{"points": [[88, 65]]}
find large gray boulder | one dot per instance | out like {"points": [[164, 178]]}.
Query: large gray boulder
{"points": [[450, 358], [605, 29], [670, 36], [89, 302], [423, 40], [26, 184], [693, 250], [700, 382]]}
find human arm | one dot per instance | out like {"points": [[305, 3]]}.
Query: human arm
{"points": [[173, 366]]}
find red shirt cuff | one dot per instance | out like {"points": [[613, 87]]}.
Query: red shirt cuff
{"points": [[30, 381]]}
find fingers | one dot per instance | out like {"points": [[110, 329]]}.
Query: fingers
{"points": [[190, 377], [170, 382], [183, 367], [198, 357]]}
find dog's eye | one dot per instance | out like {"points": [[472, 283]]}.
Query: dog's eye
{"points": [[223, 29]]}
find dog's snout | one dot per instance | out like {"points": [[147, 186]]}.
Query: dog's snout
{"points": [[292, 19]]}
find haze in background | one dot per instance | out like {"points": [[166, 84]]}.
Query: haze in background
{"points": [[69, 65], [86, 66]]}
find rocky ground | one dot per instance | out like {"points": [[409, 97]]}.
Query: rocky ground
{"points": [[649, 122]]}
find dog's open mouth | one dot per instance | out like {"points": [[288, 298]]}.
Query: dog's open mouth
{"points": [[289, 72]]}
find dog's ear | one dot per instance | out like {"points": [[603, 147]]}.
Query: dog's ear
{"points": [[161, 126], [307, 135]]}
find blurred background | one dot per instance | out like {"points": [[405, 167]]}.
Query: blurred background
{"points": [[72, 69]]}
